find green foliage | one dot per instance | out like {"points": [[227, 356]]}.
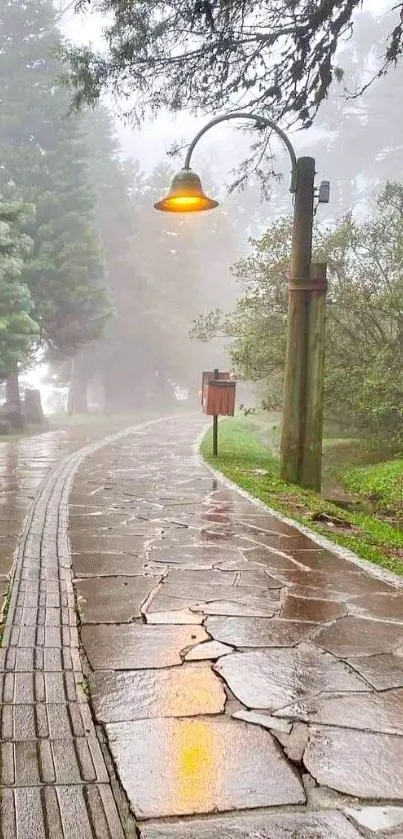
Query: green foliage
{"points": [[381, 484], [364, 336], [17, 329], [272, 55], [45, 163], [244, 460]]}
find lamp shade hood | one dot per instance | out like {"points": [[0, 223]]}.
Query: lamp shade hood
{"points": [[186, 195]]}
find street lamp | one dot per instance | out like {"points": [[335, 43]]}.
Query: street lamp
{"points": [[301, 445]]}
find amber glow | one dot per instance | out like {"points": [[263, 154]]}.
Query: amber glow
{"points": [[186, 203], [197, 769]]}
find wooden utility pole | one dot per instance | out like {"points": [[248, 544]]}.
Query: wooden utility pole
{"points": [[311, 453], [296, 357], [301, 445], [302, 421]]}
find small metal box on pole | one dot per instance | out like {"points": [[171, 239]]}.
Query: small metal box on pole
{"points": [[218, 399]]}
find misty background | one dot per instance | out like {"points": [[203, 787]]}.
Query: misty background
{"points": [[162, 272]]}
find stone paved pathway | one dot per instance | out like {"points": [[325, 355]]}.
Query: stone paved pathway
{"points": [[247, 682]]}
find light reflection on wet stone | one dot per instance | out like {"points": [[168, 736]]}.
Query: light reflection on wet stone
{"points": [[252, 607], [381, 712], [383, 606], [328, 584], [176, 766], [210, 650], [357, 636], [175, 692], [388, 819], [264, 719], [357, 763], [317, 611], [271, 679], [258, 632], [322, 560], [182, 616]]}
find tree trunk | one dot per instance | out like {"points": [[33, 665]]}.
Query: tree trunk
{"points": [[77, 398], [33, 408], [13, 391], [12, 407]]}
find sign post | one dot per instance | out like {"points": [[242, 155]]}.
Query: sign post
{"points": [[215, 424], [218, 399]]}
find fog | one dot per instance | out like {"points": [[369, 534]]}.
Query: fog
{"points": [[157, 274]]}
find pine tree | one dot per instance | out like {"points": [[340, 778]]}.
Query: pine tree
{"points": [[278, 57], [17, 329], [45, 162]]}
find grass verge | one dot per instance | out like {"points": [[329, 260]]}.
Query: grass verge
{"points": [[247, 462], [381, 485]]}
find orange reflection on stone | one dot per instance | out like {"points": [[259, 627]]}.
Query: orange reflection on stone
{"points": [[195, 763]]}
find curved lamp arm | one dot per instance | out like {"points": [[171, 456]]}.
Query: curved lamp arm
{"points": [[260, 120]]}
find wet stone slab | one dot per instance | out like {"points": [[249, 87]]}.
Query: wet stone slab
{"points": [[257, 826], [258, 632], [191, 556], [381, 712], [314, 610], [193, 592], [271, 679], [113, 599], [264, 719], [137, 646], [353, 636], [176, 692], [345, 585], [250, 607], [381, 671], [107, 565], [383, 606], [97, 525], [258, 579], [356, 763], [270, 560], [177, 767], [385, 821], [211, 650], [86, 543], [195, 577], [178, 617], [160, 603], [323, 560]]}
